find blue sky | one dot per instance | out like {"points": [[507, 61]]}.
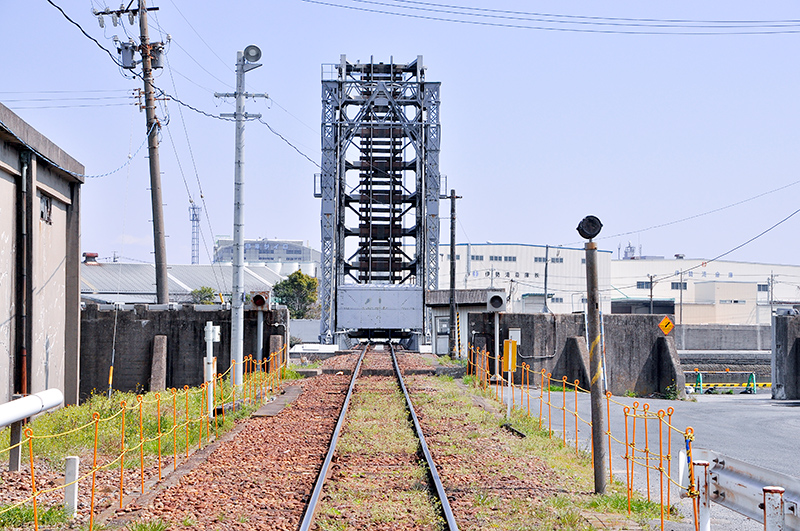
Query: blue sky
{"points": [[539, 127]]}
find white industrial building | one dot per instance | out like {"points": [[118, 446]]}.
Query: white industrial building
{"points": [[282, 256], [528, 272], [694, 291], [698, 291]]}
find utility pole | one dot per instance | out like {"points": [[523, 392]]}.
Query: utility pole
{"points": [[452, 339], [546, 263], [680, 320], [651, 277], [159, 243], [245, 61], [589, 228]]}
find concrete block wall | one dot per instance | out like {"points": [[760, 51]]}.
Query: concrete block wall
{"points": [[133, 344], [639, 358], [786, 358], [723, 337]]}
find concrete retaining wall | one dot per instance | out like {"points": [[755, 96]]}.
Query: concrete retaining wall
{"points": [[135, 332], [786, 358], [723, 337], [639, 358]]}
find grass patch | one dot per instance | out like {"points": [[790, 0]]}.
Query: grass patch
{"points": [[70, 430], [23, 514], [461, 429], [151, 525]]}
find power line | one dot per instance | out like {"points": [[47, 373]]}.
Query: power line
{"points": [[586, 17], [289, 143], [549, 28], [695, 216], [55, 165]]}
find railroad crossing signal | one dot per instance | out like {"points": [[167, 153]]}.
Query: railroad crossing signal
{"points": [[666, 325]]}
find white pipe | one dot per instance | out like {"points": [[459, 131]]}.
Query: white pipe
{"points": [[30, 405]]}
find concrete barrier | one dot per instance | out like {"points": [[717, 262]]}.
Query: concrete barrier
{"points": [[639, 358], [786, 358]]}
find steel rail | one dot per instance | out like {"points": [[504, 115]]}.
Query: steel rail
{"points": [[308, 517], [437, 482]]}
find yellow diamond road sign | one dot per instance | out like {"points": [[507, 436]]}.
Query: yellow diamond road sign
{"points": [[666, 326]]}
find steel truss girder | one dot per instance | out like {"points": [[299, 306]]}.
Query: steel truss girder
{"points": [[412, 105]]}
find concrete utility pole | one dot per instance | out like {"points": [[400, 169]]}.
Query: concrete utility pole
{"points": [[245, 61], [589, 228], [452, 339], [159, 243], [651, 277]]}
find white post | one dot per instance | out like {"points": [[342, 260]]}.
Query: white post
{"points": [[497, 346], [209, 366], [260, 338], [510, 391], [774, 514], [703, 513], [71, 489]]}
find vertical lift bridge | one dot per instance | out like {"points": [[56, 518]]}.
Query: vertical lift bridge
{"points": [[380, 200]]}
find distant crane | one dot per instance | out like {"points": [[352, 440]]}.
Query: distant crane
{"points": [[194, 217]]}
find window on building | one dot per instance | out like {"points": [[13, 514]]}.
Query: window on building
{"points": [[557, 260], [508, 274], [583, 261], [527, 275], [643, 284], [679, 285], [493, 258], [509, 258], [46, 209], [476, 257], [763, 288], [557, 299], [539, 259], [516, 275]]}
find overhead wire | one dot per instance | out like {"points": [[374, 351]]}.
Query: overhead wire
{"points": [[681, 32], [577, 20]]}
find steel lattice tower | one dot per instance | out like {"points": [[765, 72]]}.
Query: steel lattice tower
{"points": [[194, 217], [380, 179]]}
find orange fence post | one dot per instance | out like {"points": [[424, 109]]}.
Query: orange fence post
{"points": [[670, 411], [122, 455], [633, 440], [174, 428], [564, 406], [645, 411], [186, 393], [549, 407], [541, 399], [661, 464], [628, 463], [29, 435], [576, 416], [608, 422], [96, 418], [141, 439]]}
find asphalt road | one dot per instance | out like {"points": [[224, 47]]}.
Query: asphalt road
{"points": [[751, 428]]}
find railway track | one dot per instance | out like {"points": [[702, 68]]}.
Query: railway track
{"points": [[377, 357]]}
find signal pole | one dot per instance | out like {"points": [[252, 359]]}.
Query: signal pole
{"points": [[589, 228], [452, 339], [245, 61]]}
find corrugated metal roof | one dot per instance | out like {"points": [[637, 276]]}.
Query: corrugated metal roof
{"points": [[139, 280]]}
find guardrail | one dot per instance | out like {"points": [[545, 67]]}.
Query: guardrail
{"points": [[768, 497]]}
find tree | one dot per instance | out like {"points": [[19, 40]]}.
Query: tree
{"points": [[203, 295], [298, 292]]}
